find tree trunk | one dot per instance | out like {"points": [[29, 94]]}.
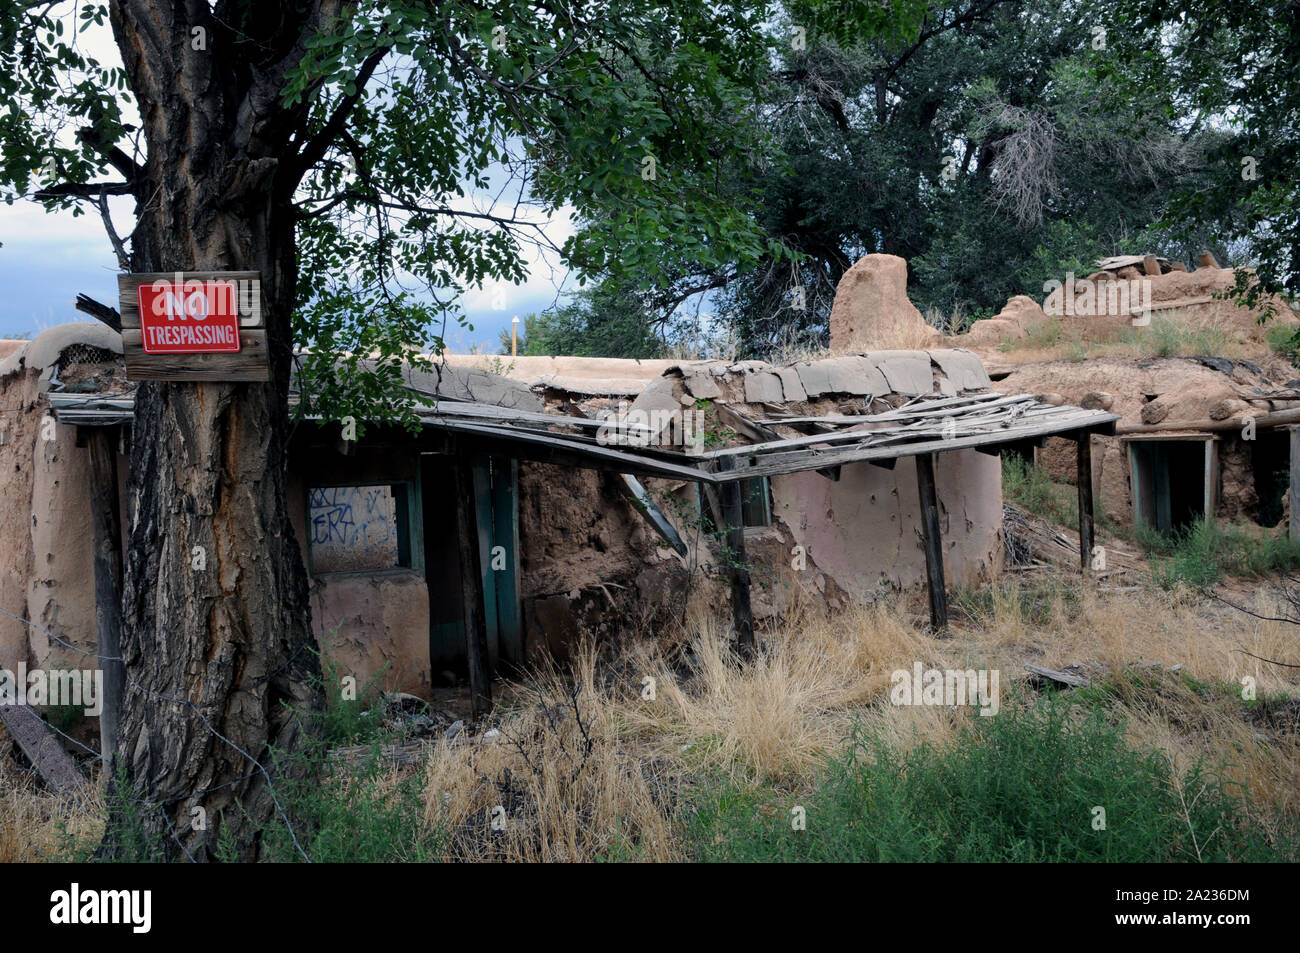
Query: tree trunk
{"points": [[219, 658]]}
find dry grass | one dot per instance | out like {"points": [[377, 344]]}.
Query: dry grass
{"points": [[607, 780], [36, 825], [776, 720], [1178, 333]]}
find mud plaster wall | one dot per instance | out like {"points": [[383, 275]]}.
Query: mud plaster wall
{"points": [[1185, 389], [588, 562], [862, 533], [44, 507]]}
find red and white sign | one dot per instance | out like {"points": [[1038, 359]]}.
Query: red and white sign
{"points": [[189, 317]]}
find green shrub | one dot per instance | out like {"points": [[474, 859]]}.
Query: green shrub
{"points": [[1020, 786], [1030, 487], [1205, 552]]}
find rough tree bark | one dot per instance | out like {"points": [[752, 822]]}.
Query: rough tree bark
{"points": [[216, 636]]}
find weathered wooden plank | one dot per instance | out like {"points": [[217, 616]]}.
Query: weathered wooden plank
{"points": [[471, 574], [249, 363], [871, 427], [929, 408], [589, 455], [1065, 678], [129, 296], [775, 463], [1294, 529], [102, 446], [42, 748], [932, 541], [654, 516]]}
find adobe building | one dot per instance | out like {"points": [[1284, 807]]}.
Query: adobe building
{"points": [[605, 493]]}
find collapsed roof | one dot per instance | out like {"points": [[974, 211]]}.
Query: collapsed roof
{"points": [[761, 419]]}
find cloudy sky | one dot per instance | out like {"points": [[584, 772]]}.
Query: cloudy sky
{"points": [[47, 259]]}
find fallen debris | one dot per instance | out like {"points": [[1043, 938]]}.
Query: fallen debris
{"points": [[43, 750], [1065, 678]]}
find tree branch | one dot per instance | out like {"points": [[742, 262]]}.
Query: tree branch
{"points": [[82, 190], [96, 309], [119, 160], [314, 150]]}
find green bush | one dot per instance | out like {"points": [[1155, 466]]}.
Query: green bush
{"points": [[1031, 488], [1020, 786], [1205, 552]]}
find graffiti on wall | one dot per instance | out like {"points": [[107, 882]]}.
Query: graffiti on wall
{"points": [[353, 528]]}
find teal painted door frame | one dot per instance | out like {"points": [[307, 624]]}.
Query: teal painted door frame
{"points": [[496, 498]]}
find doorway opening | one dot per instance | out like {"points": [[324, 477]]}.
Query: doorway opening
{"points": [[496, 510], [1174, 481]]}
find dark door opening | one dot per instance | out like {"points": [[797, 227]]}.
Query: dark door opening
{"points": [[442, 569], [1173, 483], [497, 530], [1270, 462]]}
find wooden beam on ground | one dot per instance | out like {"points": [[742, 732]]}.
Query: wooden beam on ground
{"points": [[471, 576], [104, 514], [1064, 678], [741, 609], [42, 748], [1083, 472], [932, 540]]}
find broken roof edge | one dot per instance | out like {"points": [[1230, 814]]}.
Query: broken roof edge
{"points": [[48, 346], [775, 459]]}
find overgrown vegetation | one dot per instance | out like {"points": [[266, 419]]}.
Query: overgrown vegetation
{"points": [[1036, 783], [590, 766], [1031, 487], [1173, 334], [1204, 553]]}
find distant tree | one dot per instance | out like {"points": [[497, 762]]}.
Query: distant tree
{"points": [[1233, 67], [607, 320], [986, 146]]}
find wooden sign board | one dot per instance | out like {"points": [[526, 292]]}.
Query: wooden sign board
{"points": [[193, 326]]}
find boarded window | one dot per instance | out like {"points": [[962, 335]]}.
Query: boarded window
{"points": [[359, 528]]}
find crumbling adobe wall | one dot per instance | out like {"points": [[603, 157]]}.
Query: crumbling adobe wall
{"points": [[1158, 391], [1181, 296], [20, 424], [589, 563], [373, 625], [46, 560], [862, 532]]}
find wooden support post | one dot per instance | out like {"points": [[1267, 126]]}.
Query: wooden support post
{"points": [[1295, 484], [932, 540], [104, 513], [741, 610], [1083, 473], [471, 581]]}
